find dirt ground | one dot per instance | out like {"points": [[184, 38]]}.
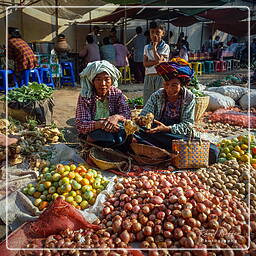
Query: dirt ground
{"points": [[66, 100]]}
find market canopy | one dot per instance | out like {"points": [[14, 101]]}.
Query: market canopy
{"points": [[225, 15], [184, 21]]}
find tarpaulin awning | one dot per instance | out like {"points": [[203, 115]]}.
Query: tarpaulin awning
{"points": [[227, 15], [238, 29], [116, 15], [184, 21], [153, 13]]}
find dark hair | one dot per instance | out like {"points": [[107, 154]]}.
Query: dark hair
{"points": [[96, 27], [113, 29], [89, 39], [14, 32], [106, 40], [217, 37], [139, 30], [146, 33], [61, 36], [156, 24]]}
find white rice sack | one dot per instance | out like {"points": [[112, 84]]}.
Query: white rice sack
{"points": [[218, 100], [244, 101], [234, 92]]}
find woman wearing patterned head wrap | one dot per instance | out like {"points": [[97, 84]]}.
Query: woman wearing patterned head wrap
{"points": [[101, 107], [173, 106]]}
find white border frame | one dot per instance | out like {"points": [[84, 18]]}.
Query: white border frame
{"points": [[128, 7]]}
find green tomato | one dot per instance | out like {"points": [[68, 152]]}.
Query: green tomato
{"points": [[30, 185], [31, 191], [45, 192], [88, 195], [25, 191], [52, 167], [96, 184], [37, 201], [48, 176], [52, 190], [72, 193], [70, 199], [56, 177], [66, 188], [55, 184], [55, 196], [43, 197], [65, 180], [222, 160], [84, 204], [78, 199], [49, 197], [76, 185]]}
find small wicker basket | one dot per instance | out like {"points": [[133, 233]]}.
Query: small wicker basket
{"points": [[106, 161], [149, 151], [201, 106]]}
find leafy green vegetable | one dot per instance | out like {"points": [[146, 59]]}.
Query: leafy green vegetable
{"points": [[197, 93], [31, 93], [194, 83], [137, 101]]}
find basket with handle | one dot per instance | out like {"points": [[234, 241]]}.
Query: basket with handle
{"points": [[192, 153], [201, 105]]}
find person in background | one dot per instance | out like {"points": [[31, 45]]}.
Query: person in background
{"points": [[108, 51], [112, 35], [208, 45], [96, 35], [122, 54], [62, 48], [20, 52], [101, 107], [139, 43], [183, 53], [147, 35], [186, 43], [154, 53], [91, 51], [180, 39], [216, 42]]}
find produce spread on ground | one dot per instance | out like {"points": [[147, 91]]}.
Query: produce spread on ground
{"points": [[80, 206]]}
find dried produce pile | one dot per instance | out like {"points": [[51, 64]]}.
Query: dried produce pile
{"points": [[231, 178], [32, 139], [174, 211], [75, 184]]}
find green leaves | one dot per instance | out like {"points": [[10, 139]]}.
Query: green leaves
{"points": [[137, 101], [31, 93]]}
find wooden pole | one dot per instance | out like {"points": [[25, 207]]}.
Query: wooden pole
{"points": [[56, 18]]}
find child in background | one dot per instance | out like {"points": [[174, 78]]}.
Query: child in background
{"points": [[154, 53]]}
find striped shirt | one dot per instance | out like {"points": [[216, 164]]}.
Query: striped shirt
{"points": [[86, 109], [22, 54]]}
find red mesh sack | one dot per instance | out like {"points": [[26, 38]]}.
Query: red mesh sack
{"points": [[59, 216], [233, 117]]}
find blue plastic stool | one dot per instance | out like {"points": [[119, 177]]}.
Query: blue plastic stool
{"points": [[68, 74], [46, 76], [4, 84], [209, 66], [30, 75]]}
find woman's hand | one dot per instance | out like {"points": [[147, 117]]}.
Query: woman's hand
{"points": [[111, 124], [160, 128]]}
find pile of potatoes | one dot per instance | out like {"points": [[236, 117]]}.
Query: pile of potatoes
{"points": [[231, 178]]}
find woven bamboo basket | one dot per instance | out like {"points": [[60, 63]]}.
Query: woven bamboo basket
{"points": [[201, 106], [106, 161], [19, 114], [149, 151]]}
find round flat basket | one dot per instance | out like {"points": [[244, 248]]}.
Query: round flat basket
{"points": [[106, 161], [149, 151], [201, 106]]}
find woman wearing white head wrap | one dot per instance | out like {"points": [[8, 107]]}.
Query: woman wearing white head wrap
{"points": [[94, 68], [101, 105]]}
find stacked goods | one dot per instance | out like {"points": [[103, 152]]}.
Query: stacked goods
{"points": [[174, 211], [237, 149], [74, 184]]}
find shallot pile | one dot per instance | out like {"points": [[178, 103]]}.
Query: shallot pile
{"points": [[174, 211]]}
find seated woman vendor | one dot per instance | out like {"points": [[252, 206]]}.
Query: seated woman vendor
{"points": [[101, 107], [173, 108]]}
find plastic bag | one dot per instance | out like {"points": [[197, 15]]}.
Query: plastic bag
{"points": [[218, 100], [234, 92], [244, 101], [42, 111], [58, 217], [233, 117]]}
